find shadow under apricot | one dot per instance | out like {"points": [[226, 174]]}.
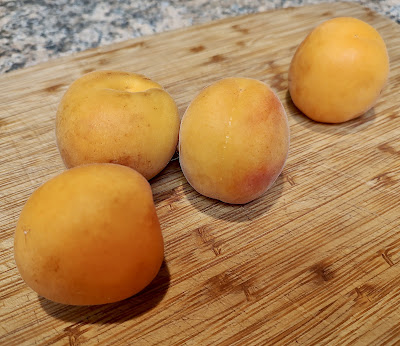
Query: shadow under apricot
{"points": [[358, 124], [124, 310], [236, 212]]}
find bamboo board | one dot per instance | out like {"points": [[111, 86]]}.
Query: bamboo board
{"points": [[316, 260]]}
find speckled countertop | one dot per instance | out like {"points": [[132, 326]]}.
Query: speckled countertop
{"points": [[34, 31]]}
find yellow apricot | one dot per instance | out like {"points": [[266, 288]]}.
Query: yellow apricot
{"points": [[117, 117]]}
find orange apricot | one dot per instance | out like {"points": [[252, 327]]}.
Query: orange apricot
{"points": [[339, 70], [234, 140], [89, 236]]}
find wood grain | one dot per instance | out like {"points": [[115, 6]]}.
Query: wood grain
{"points": [[314, 261]]}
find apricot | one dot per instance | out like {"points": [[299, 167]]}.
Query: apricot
{"points": [[117, 117], [339, 70], [89, 236], [234, 140]]}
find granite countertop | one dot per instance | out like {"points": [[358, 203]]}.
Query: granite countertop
{"points": [[34, 31]]}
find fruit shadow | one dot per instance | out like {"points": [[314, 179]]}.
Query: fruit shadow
{"points": [[352, 126], [236, 212], [124, 310]]}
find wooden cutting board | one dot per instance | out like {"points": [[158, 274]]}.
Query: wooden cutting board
{"points": [[316, 260]]}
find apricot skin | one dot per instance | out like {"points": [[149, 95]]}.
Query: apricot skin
{"points": [[89, 236], [234, 140], [117, 117], [339, 70]]}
